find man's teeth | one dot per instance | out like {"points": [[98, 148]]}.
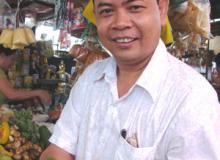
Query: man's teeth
{"points": [[124, 40]]}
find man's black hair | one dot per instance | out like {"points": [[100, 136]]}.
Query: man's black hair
{"points": [[6, 51]]}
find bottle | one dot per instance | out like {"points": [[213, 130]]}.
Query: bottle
{"points": [[43, 67], [34, 72], [62, 67], [61, 71], [26, 64], [48, 74]]}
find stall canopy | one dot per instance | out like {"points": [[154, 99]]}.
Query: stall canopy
{"points": [[44, 9]]}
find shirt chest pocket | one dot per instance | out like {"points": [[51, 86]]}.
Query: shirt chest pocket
{"points": [[125, 151]]}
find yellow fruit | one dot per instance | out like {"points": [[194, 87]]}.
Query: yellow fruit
{"points": [[4, 132], [5, 152]]}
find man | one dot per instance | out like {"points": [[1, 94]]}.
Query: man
{"points": [[141, 104]]}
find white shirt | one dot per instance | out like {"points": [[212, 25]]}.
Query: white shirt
{"points": [[172, 110]]}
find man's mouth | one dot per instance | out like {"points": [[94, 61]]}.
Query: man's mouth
{"points": [[124, 40]]}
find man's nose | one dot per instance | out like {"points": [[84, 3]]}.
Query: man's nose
{"points": [[121, 21]]}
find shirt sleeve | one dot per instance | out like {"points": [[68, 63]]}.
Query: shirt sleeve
{"points": [[65, 132], [195, 133]]}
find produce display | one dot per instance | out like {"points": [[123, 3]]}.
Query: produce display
{"points": [[20, 137]]}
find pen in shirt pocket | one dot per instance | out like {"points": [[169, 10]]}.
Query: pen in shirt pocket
{"points": [[131, 140], [124, 133]]}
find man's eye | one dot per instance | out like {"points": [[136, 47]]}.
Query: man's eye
{"points": [[136, 8], [105, 12]]}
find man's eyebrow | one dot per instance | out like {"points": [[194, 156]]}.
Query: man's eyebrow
{"points": [[128, 1], [101, 4]]}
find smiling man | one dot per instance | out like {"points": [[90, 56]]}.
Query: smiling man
{"points": [[140, 104]]}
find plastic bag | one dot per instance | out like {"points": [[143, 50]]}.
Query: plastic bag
{"points": [[193, 17], [197, 17]]}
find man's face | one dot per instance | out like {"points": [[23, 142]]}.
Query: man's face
{"points": [[130, 29]]}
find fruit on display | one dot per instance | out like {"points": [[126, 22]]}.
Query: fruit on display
{"points": [[21, 138], [4, 152], [44, 136], [3, 157], [21, 147], [23, 120], [4, 132], [54, 113]]}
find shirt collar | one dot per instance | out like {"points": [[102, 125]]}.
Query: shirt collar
{"points": [[154, 75], [108, 70]]}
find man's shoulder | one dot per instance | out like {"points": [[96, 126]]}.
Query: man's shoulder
{"points": [[184, 76], [96, 69], [201, 99], [101, 63], [187, 74]]}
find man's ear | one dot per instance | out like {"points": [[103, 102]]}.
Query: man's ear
{"points": [[163, 6]]}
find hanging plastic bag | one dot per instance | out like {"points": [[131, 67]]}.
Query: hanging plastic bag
{"points": [[192, 17], [20, 37], [29, 35], [198, 17], [6, 38]]}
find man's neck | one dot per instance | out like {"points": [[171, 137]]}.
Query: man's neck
{"points": [[127, 75]]}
